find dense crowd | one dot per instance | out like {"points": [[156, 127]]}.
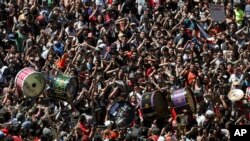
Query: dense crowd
{"points": [[120, 50]]}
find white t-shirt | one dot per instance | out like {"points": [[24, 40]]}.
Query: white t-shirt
{"points": [[138, 96], [70, 32], [200, 119], [78, 25], [2, 78], [140, 2], [45, 52], [161, 138], [99, 2], [225, 132], [235, 77]]}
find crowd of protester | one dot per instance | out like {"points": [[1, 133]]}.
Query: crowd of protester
{"points": [[119, 50]]}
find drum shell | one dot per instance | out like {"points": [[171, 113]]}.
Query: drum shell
{"points": [[154, 104], [183, 99], [30, 82], [64, 87]]}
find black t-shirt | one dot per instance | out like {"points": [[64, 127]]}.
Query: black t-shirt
{"points": [[129, 5]]}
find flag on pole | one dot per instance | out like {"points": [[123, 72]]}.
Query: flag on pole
{"points": [[202, 33]]}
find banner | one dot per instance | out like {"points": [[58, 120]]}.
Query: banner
{"points": [[217, 12]]}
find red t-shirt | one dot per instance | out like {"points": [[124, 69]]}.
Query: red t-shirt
{"points": [[191, 77], [36, 139], [107, 18], [110, 1], [84, 128], [154, 137], [16, 138], [92, 18], [153, 4], [149, 71]]}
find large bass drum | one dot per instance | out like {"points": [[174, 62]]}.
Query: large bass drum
{"points": [[65, 87], [154, 104], [123, 113], [183, 99], [30, 82]]}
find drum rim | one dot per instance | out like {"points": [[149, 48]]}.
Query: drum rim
{"points": [[77, 84], [194, 101], [34, 72]]}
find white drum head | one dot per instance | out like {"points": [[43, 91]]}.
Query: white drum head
{"points": [[33, 84], [235, 94]]}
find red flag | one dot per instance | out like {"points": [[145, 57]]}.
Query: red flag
{"points": [[200, 32], [61, 63], [140, 114], [173, 113]]}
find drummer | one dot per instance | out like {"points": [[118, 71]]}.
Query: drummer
{"points": [[237, 106], [189, 73]]}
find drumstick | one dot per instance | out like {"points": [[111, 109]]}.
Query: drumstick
{"points": [[239, 119], [111, 71], [59, 113], [66, 71]]}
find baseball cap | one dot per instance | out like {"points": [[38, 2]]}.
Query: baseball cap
{"points": [[11, 37], [102, 45], [108, 123], [26, 125], [99, 41]]}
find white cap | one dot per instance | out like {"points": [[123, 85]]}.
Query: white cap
{"points": [[209, 112], [216, 46], [102, 45], [55, 42], [108, 123], [99, 42]]}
